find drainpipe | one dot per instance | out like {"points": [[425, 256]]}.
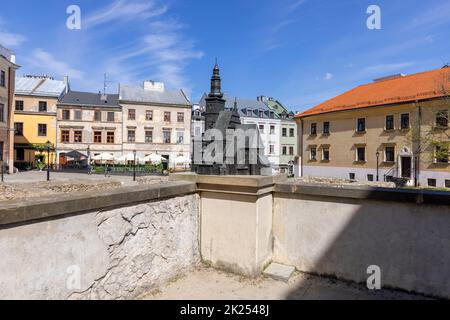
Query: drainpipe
{"points": [[419, 141]]}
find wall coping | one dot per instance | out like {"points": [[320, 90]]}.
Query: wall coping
{"points": [[239, 181], [23, 210], [364, 192]]}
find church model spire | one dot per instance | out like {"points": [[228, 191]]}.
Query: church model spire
{"points": [[216, 83]]}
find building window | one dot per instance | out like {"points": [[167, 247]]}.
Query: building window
{"points": [[149, 136], [442, 119], [272, 129], [361, 154], [166, 136], [2, 112], [42, 106], [20, 154], [110, 137], [441, 154], [389, 154], [42, 130], [326, 128], [2, 79], [313, 154], [352, 176], [78, 136], [313, 129], [18, 129], [261, 114], [370, 177], [325, 154], [77, 115], [432, 182], [66, 114], [197, 131], [111, 117], [19, 105], [272, 149], [291, 133], [97, 116], [447, 183], [131, 114], [284, 151], [389, 122], [405, 121], [249, 113], [180, 137], [149, 115], [97, 137], [167, 116], [272, 115], [131, 136], [180, 117], [284, 132], [65, 136], [1, 151], [291, 151], [361, 127], [261, 128]]}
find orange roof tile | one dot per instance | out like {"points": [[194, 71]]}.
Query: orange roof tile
{"points": [[420, 86]]}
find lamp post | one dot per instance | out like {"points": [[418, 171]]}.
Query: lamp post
{"points": [[134, 166], [378, 165], [49, 145]]}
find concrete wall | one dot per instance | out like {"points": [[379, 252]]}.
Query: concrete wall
{"points": [[340, 232], [104, 248]]}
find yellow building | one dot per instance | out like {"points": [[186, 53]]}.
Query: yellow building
{"points": [[394, 129], [35, 102]]}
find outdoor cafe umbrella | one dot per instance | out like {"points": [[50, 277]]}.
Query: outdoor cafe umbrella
{"points": [[155, 158], [182, 160], [104, 157]]}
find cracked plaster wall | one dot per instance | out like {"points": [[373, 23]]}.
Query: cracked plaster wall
{"points": [[116, 254]]}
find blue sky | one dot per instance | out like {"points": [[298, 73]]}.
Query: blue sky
{"points": [[301, 52]]}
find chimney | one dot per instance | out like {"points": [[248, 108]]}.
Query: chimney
{"points": [[66, 83], [150, 85]]}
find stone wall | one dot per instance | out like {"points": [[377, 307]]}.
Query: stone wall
{"points": [[110, 253], [340, 232]]}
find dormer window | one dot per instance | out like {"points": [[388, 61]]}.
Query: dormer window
{"points": [[261, 114], [249, 113]]}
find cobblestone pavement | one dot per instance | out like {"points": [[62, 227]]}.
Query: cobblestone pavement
{"points": [[34, 183], [210, 284]]}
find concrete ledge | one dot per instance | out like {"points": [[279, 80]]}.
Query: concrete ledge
{"points": [[361, 192], [23, 210], [234, 181]]}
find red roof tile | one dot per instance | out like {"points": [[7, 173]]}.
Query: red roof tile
{"points": [[420, 86]]}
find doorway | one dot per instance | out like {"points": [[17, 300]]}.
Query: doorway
{"points": [[406, 167]]}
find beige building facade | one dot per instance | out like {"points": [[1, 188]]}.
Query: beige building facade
{"points": [[407, 140], [8, 69], [88, 123], [156, 120]]}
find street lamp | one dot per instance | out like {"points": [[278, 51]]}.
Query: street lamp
{"points": [[378, 165], [49, 145], [134, 166]]}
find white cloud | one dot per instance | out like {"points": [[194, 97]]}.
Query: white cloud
{"points": [[11, 39], [296, 4], [328, 76], [388, 67], [48, 63], [121, 10]]}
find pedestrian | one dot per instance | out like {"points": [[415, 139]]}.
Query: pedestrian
{"points": [[89, 167], [106, 170]]}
